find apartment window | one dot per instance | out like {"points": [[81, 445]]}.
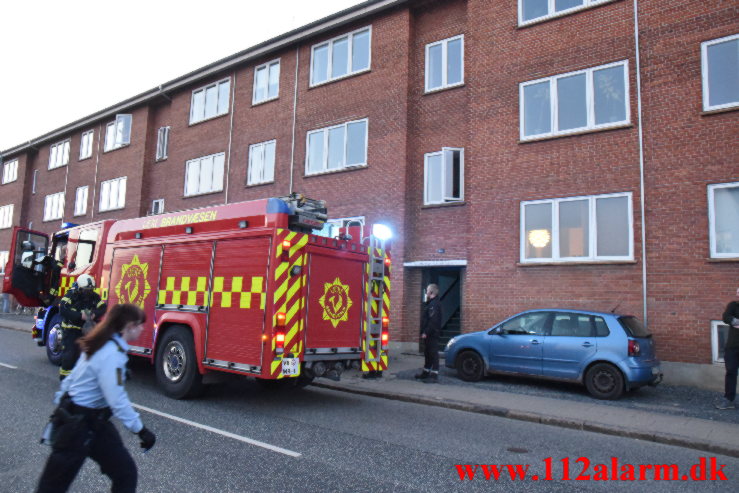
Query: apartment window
{"points": [[331, 227], [445, 64], [157, 206], [536, 10], [597, 227], [719, 333], [6, 216], [204, 175], [118, 132], [10, 171], [54, 206], [210, 101], [266, 82], [261, 163], [720, 62], [584, 100], [723, 217], [33, 184], [162, 143], [80, 201], [59, 154], [337, 147], [443, 176], [341, 57], [4, 255], [86, 144], [113, 194]]}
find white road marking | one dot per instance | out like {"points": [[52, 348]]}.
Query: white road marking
{"points": [[9, 366], [240, 438]]}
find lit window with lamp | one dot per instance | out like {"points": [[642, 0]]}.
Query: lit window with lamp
{"points": [[444, 176], [578, 229]]}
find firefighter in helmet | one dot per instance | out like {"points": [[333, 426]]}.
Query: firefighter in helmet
{"points": [[78, 306]]}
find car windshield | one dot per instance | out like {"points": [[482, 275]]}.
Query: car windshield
{"points": [[634, 327]]}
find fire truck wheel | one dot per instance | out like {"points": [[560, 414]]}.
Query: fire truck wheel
{"points": [[54, 341], [176, 365]]}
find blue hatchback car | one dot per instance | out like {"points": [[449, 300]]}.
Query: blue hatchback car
{"points": [[609, 353]]}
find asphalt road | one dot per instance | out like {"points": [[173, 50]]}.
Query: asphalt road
{"points": [[328, 440]]}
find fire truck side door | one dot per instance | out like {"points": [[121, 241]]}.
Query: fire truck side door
{"points": [[25, 277]]}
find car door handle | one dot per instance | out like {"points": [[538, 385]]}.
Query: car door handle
{"points": [[587, 344], [534, 341]]}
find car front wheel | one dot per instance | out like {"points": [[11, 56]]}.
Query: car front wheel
{"points": [[470, 366], [604, 381]]}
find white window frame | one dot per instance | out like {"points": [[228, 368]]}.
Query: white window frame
{"points": [[340, 222], [204, 89], [105, 199], [712, 219], [589, 101], [80, 200], [118, 132], [444, 64], [86, 141], [326, 131], [704, 74], [33, 184], [447, 168], [59, 154], [350, 51], [592, 230], [162, 143], [715, 348], [54, 206], [266, 66], [10, 171], [4, 256], [587, 4], [6, 216], [214, 188], [157, 207], [265, 175]]}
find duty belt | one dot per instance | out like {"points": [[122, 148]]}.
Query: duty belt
{"points": [[102, 413]]}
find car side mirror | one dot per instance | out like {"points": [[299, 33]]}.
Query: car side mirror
{"points": [[496, 331]]}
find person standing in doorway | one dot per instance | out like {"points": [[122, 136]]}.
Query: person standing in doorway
{"points": [[430, 333], [731, 354]]}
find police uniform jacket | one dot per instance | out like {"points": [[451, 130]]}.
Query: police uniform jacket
{"points": [[74, 302], [97, 382]]}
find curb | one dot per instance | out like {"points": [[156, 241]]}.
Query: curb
{"points": [[534, 417]]}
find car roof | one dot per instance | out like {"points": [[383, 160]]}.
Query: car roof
{"points": [[573, 310]]}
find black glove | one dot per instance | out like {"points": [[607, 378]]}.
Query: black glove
{"points": [[148, 439]]}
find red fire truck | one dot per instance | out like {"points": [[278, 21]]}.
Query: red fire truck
{"points": [[245, 288]]}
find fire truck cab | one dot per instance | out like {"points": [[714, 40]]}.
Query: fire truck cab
{"points": [[243, 288]]}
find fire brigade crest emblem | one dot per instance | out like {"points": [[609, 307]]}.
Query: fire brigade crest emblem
{"points": [[133, 286], [335, 302]]}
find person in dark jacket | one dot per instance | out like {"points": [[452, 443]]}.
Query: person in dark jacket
{"points": [[731, 354], [430, 332], [79, 305]]}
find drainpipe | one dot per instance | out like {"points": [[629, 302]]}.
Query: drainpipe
{"points": [[95, 179], [641, 165], [230, 132], [295, 110]]}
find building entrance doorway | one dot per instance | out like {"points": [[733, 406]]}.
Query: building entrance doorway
{"points": [[449, 280]]}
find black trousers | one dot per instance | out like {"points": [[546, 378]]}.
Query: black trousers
{"points": [[731, 360], [70, 351], [431, 353], [104, 446]]}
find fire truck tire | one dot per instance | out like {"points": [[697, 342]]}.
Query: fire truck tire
{"points": [[176, 364], [53, 341]]}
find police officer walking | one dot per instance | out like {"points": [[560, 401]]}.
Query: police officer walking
{"points": [[87, 398], [430, 332], [78, 305]]}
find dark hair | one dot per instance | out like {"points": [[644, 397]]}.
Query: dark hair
{"points": [[114, 322]]}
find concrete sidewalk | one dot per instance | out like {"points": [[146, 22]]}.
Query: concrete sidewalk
{"points": [[557, 409]]}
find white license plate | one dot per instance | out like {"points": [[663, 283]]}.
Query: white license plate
{"points": [[655, 370], [290, 366]]}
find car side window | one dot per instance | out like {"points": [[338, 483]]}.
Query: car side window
{"points": [[601, 327], [572, 325], [526, 324]]}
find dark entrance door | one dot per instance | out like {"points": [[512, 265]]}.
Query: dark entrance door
{"points": [[449, 280]]}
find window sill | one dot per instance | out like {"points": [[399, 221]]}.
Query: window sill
{"points": [[80, 215], [111, 210], [160, 159], [201, 194], [619, 126], [337, 79], [8, 182], [84, 159], [57, 167], [192, 124], [340, 170], [572, 263], [116, 148], [720, 110], [264, 101], [252, 185], [442, 89], [446, 204], [720, 260], [50, 220], [557, 15]]}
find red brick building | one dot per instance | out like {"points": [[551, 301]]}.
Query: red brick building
{"points": [[526, 153]]}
